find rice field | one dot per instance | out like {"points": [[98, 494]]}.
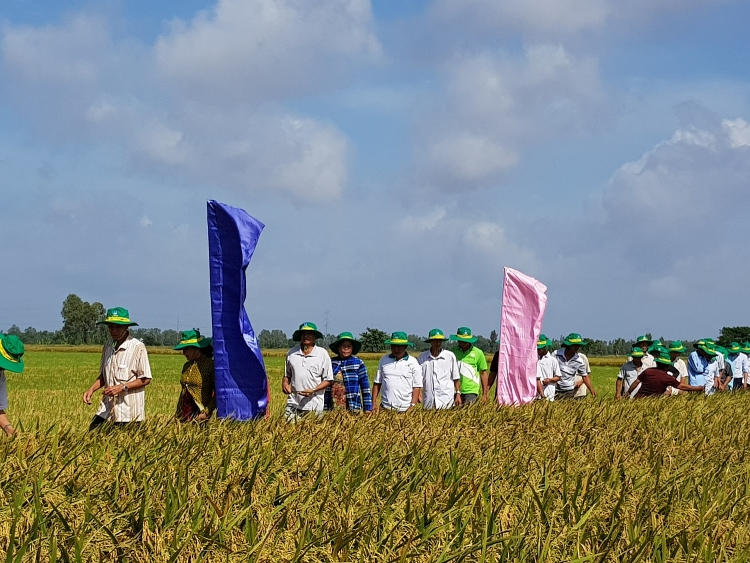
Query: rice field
{"points": [[597, 480]]}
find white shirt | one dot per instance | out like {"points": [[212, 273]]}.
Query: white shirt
{"points": [[438, 377], [681, 367], [629, 373], [124, 365], [547, 367], [739, 365], [585, 362], [713, 372], [398, 378], [307, 372]]}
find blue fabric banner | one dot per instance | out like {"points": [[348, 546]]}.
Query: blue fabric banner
{"points": [[241, 380]]}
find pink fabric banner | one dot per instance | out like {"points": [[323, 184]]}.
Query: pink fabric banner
{"points": [[524, 302]]}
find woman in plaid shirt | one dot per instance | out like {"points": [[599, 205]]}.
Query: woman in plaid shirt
{"points": [[351, 385]]}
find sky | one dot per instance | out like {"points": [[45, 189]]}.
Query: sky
{"points": [[401, 153]]}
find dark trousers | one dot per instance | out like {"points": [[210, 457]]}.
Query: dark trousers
{"points": [[99, 421], [468, 398], [737, 384], [570, 394]]}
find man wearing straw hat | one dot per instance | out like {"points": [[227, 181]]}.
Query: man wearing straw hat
{"points": [[737, 359], [398, 380], [352, 373], [440, 375], [571, 368], [307, 374], [547, 369], [11, 359], [472, 364], [124, 372], [629, 372]]}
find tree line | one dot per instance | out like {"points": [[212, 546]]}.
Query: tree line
{"points": [[80, 318]]}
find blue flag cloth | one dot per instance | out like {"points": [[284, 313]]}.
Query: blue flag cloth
{"points": [[241, 380]]}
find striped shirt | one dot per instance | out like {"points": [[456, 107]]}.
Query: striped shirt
{"points": [[356, 384], [124, 364]]}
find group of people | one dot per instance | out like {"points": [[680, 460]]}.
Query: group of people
{"points": [[438, 378]]}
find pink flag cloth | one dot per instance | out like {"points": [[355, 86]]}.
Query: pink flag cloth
{"points": [[524, 302]]}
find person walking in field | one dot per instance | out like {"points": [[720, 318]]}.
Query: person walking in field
{"points": [[644, 343], [11, 359], [197, 401], [738, 361], [307, 374], [581, 389], [124, 373], [398, 380], [350, 373], [440, 374], [629, 372], [659, 380], [703, 369], [571, 367], [547, 369], [677, 348], [472, 364]]}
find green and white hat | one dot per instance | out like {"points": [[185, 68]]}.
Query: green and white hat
{"points": [[642, 339], [193, 338], [734, 348], [677, 346], [746, 347], [637, 352], [574, 339], [398, 339], [356, 344], [463, 334], [543, 342], [11, 353], [306, 326], [117, 316], [664, 357], [436, 334]]}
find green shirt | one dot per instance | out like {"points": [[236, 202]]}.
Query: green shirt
{"points": [[470, 364]]}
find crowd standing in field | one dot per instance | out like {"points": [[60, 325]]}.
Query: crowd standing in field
{"points": [[439, 378]]}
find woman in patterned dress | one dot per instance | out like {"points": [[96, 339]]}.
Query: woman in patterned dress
{"points": [[197, 394]]}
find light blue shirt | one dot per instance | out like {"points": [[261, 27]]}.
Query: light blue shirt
{"points": [[697, 369]]}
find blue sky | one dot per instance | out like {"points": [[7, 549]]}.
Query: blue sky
{"points": [[400, 153]]}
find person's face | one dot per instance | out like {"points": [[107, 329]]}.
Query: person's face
{"points": [[436, 345], [117, 332], [644, 346], [307, 338], [398, 351], [541, 352], [345, 349], [464, 345], [674, 355], [574, 349], [191, 353]]}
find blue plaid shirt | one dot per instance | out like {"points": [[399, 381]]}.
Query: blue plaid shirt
{"points": [[356, 384]]}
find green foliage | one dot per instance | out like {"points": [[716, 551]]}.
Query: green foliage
{"points": [[274, 339], [373, 340], [79, 321], [733, 334], [156, 336]]}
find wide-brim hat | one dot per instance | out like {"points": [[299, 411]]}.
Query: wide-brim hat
{"points": [[117, 316], [435, 334], [356, 344], [664, 358], [637, 352], [708, 350], [543, 342], [746, 347], [734, 348], [677, 346], [574, 339], [398, 339], [193, 339], [11, 352], [312, 327], [463, 334], [642, 339]]}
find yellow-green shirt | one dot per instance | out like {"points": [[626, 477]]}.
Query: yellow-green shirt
{"points": [[470, 365]]}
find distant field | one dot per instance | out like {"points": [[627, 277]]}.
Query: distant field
{"points": [[595, 480]]}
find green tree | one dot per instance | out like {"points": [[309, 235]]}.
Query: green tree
{"points": [[373, 340], [273, 339], [733, 334], [79, 320], [493, 341]]}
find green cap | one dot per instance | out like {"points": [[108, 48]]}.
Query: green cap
{"points": [[398, 339], [543, 342], [356, 344], [193, 338], [746, 347], [463, 334], [11, 352], [677, 346], [117, 316], [574, 339], [312, 327], [734, 348], [637, 352], [664, 357], [436, 334]]}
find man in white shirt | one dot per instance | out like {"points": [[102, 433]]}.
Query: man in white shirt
{"points": [[306, 375], [644, 343], [738, 360], [547, 369], [676, 347], [398, 380], [124, 373], [440, 375], [629, 372]]}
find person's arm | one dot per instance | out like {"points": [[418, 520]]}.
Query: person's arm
{"points": [[326, 375], [115, 390], [375, 394], [364, 386], [634, 385], [493, 370], [587, 382], [539, 388], [286, 381], [457, 396], [618, 388], [414, 397], [416, 383], [95, 386]]}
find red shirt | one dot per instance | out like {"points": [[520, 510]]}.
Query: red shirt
{"points": [[654, 381]]}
